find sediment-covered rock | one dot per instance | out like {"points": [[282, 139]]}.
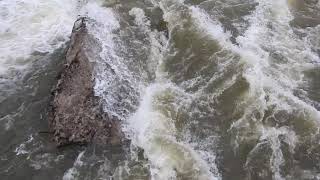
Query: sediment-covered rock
{"points": [[76, 116]]}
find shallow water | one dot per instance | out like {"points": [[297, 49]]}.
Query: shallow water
{"points": [[210, 89]]}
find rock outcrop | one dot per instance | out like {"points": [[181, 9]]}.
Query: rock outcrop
{"points": [[76, 116]]}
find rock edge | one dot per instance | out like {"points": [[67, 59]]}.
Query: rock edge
{"points": [[75, 114]]}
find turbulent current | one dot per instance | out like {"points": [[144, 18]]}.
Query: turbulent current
{"points": [[203, 89]]}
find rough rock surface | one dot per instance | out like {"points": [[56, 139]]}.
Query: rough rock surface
{"points": [[76, 116]]}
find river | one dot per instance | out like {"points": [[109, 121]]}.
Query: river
{"points": [[203, 89]]}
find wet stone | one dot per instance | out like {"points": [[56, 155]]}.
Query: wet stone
{"points": [[75, 114]]}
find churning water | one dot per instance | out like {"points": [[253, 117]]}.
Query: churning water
{"points": [[204, 89]]}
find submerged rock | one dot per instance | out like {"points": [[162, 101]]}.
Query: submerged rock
{"points": [[76, 116]]}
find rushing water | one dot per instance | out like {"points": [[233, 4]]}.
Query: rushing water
{"points": [[204, 89]]}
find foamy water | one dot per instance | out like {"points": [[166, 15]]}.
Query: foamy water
{"points": [[222, 93], [35, 26]]}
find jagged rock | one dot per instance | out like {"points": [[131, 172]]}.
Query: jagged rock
{"points": [[76, 116]]}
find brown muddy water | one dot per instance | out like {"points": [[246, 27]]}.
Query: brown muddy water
{"points": [[204, 89]]}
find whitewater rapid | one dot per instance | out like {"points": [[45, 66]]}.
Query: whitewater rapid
{"points": [[267, 61], [29, 27], [202, 89], [273, 84]]}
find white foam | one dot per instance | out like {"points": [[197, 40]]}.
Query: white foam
{"points": [[272, 135], [33, 26], [260, 40], [257, 42], [207, 26], [156, 134], [73, 173], [140, 18], [111, 69], [269, 31], [157, 40], [22, 149], [152, 130]]}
